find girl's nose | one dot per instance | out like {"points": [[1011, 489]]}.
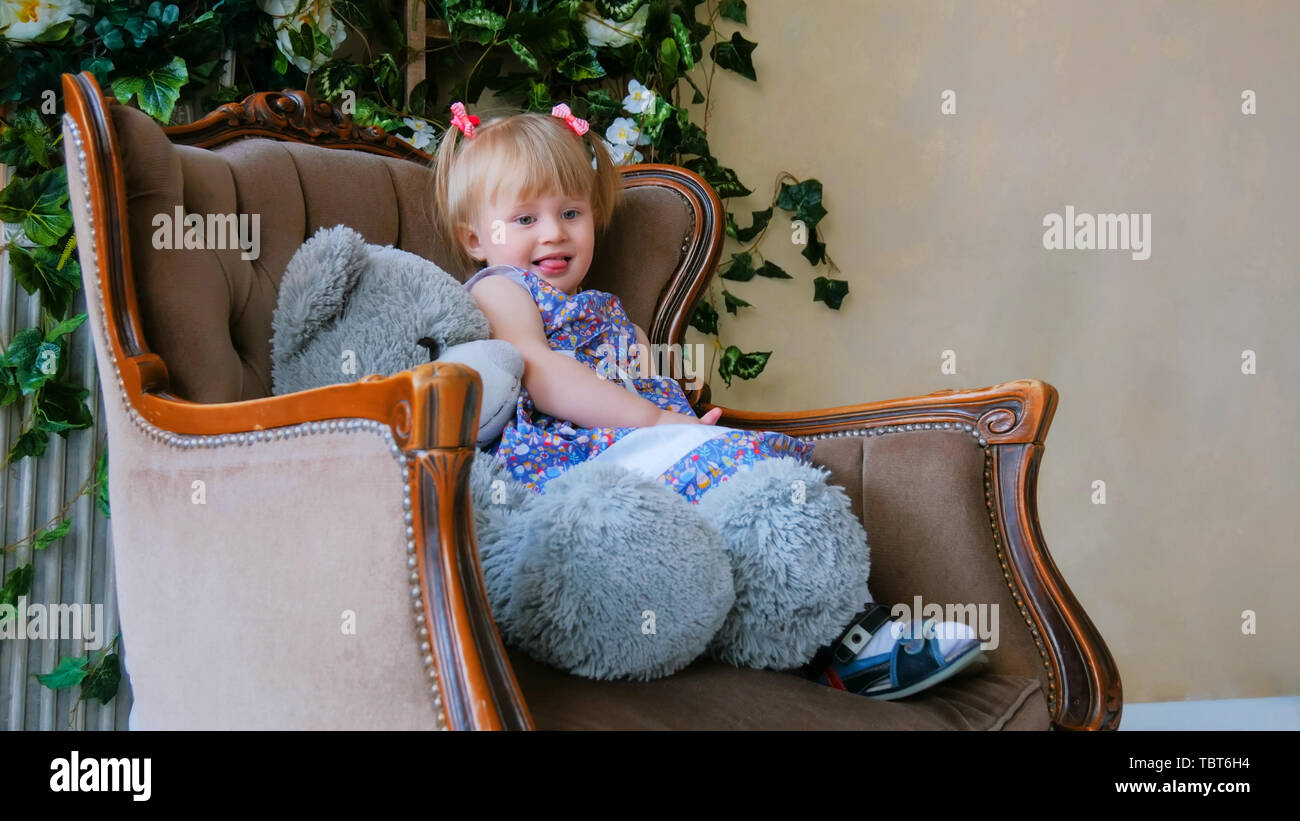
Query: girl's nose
{"points": [[556, 229]]}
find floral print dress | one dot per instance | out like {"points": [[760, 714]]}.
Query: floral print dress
{"points": [[592, 327]]}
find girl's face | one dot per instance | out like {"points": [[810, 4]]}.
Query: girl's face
{"points": [[552, 236]]}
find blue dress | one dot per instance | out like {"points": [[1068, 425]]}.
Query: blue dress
{"points": [[592, 327]]}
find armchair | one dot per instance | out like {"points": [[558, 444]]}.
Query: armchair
{"points": [[308, 560]]}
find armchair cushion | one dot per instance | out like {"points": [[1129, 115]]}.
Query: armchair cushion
{"points": [[712, 696]]}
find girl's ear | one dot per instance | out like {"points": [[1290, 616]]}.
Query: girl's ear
{"points": [[469, 240]]}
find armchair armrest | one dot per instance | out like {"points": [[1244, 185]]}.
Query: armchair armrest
{"points": [[1009, 423]]}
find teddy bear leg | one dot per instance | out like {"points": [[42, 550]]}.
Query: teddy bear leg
{"points": [[614, 576], [800, 561]]}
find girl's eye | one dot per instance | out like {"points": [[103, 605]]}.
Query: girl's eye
{"points": [[520, 220], [573, 211]]}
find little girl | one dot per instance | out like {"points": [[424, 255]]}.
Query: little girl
{"points": [[523, 197]]}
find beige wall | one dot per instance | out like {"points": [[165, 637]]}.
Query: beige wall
{"points": [[936, 222]]}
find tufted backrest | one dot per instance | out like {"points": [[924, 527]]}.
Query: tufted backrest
{"points": [[207, 312]]}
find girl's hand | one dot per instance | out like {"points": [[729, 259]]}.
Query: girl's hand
{"points": [[674, 418]]}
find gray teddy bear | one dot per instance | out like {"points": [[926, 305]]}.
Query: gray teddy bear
{"points": [[608, 574]]}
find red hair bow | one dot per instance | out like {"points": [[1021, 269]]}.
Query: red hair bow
{"points": [[462, 119], [578, 124]]}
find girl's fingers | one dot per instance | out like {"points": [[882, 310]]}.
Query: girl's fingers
{"points": [[711, 418]]}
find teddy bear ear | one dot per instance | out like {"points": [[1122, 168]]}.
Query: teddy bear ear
{"points": [[315, 288]]}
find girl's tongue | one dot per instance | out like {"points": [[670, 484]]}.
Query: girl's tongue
{"points": [[553, 265]]}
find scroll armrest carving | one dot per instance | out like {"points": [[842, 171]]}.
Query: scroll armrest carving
{"points": [[1011, 412]]}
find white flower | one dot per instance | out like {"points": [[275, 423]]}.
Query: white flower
{"points": [[639, 97], [621, 152], [24, 20], [422, 132], [623, 131], [294, 13], [610, 32]]}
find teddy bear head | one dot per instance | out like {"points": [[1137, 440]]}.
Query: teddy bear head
{"points": [[347, 309]]}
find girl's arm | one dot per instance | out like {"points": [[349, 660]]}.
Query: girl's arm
{"points": [[562, 386]]}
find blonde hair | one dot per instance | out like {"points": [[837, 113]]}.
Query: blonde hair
{"points": [[518, 156]]}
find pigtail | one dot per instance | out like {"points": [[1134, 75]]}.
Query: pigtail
{"points": [[607, 192], [446, 229]]}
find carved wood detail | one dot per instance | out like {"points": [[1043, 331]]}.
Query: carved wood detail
{"points": [[295, 116]]}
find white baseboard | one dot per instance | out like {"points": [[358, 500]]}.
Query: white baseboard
{"points": [[1281, 713]]}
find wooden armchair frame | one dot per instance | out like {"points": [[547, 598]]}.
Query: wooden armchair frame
{"points": [[432, 412]]}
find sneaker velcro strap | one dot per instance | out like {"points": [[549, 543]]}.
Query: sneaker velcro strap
{"points": [[859, 632]]}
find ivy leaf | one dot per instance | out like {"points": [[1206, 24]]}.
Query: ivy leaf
{"points": [[539, 97], [62, 408], [830, 291], [37, 269], [758, 221], [581, 65], [723, 179], [815, 250], [388, 79], [804, 199], [521, 51], [693, 139], [698, 96], [26, 142], [25, 355], [705, 319], [157, 91], [38, 203], [481, 18], [48, 537], [101, 484], [740, 269], [30, 443], [69, 672], [56, 32], [745, 365], [9, 390], [65, 327], [100, 67], [734, 10], [601, 106], [735, 55], [772, 271], [104, 680], [669, 57], [17, 583], [733, 302], [683, 38], [620, 11]]}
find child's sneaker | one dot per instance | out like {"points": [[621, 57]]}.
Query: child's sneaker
{"points": [[886, 660]]}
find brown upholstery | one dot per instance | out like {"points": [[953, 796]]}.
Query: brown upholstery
{"points": [[920, 495], [208, 315], [711, 696]]}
